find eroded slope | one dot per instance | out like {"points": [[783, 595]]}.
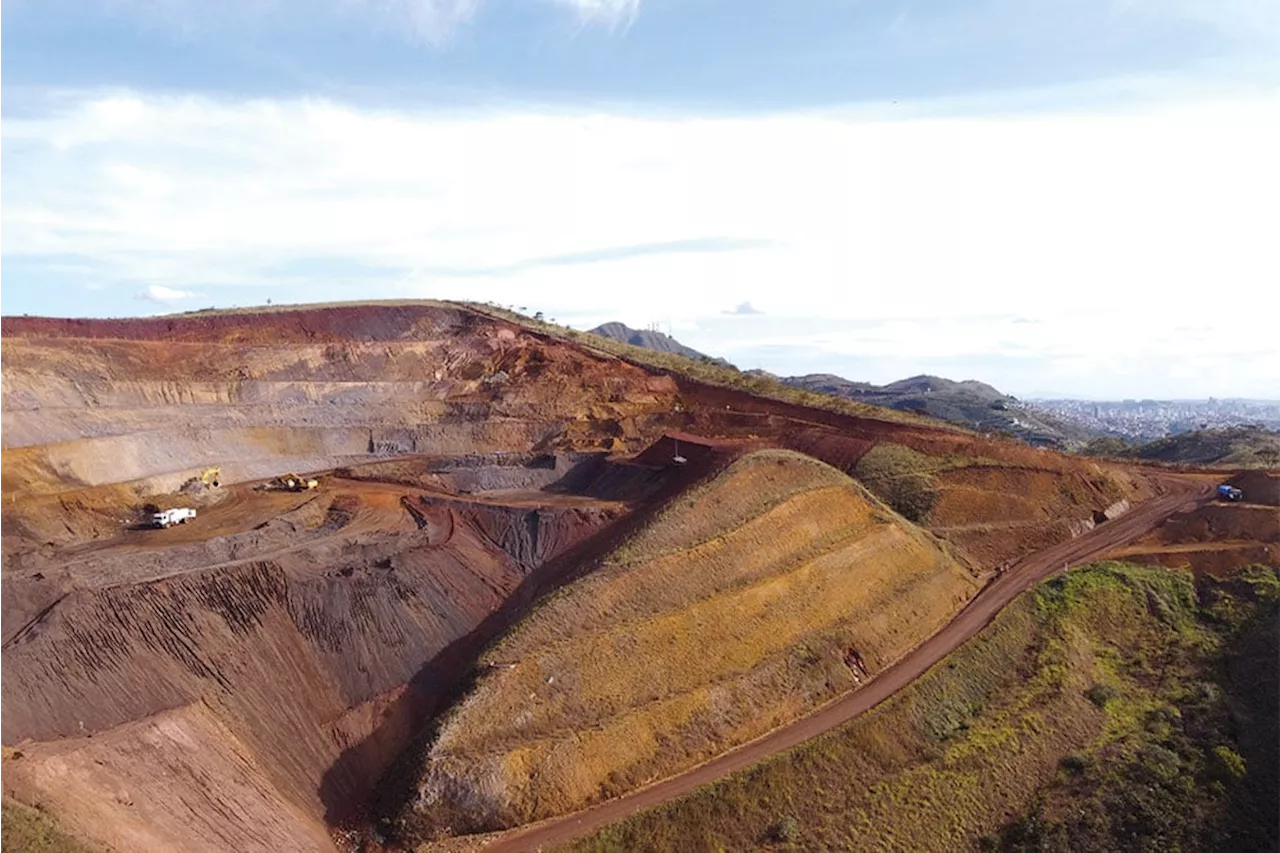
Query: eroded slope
{"points": [[272, 690]]}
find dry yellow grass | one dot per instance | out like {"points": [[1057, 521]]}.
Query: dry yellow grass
{"points": [[703, 637], [1009, 726], [741, 492]]}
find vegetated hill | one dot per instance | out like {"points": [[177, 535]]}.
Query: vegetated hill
{"points": [[277, 654], [971, 404], [746, 603], [1242, 447], [1114, 708], [651, 339]]}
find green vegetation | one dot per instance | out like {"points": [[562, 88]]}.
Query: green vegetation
{"points": [[1237, 447], [902, 478], [28, 830], [1109, 445], [1114, 708], [1172, 775]]}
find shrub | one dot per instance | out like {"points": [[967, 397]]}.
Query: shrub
{"points": [[902, 478], [1100, 694], [1076, 762], [785, 830], [1228, 761]]}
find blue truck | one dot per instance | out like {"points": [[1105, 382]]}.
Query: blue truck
{"points": [[1230, 493]]}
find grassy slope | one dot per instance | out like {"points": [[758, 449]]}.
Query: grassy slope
{"points": [[730, 614], [28, 830], [1102, 711]]}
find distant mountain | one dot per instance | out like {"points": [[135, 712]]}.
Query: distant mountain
{"points": [[650, 340], [971, 404]]}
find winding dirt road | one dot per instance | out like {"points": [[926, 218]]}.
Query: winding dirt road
{"points": [[1185, 494]]}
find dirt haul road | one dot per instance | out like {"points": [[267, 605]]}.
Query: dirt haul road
{"points": [[976, 615]]}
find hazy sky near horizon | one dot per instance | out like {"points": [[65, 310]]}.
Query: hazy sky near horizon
{"points": [[1063, 197]]}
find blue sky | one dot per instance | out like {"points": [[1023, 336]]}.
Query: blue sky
{"points": [[1000, 190]]}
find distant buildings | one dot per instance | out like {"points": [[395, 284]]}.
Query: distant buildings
{"points": [[1146, 420]]}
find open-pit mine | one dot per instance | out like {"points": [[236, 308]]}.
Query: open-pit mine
{"points": [[534, 574]]}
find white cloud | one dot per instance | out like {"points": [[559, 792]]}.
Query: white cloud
{"points": [[165, 295], [1116, 228]]}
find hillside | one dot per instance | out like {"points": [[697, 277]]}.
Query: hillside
{"points": [[1240, 447], [1225, 447], [1116, 708], [650, 339], [29, 830], [747, 602]]}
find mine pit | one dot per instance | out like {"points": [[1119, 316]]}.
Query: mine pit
{"points": [[271, 674]]}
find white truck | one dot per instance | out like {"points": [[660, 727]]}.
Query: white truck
{"points": [[173, 516]]}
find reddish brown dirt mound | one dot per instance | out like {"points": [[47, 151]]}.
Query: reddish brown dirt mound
{"points": [[1222, 522], [1259, 487], [1216, 539]]}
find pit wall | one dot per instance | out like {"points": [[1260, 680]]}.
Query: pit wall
{"points": [[274, 693], [83, 406]]}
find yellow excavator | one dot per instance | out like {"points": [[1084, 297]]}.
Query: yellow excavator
{"points": [[210, 477], [294, 483]]}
